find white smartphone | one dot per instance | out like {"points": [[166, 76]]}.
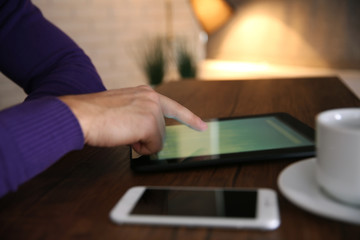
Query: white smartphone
{"points": [[189, 206]]}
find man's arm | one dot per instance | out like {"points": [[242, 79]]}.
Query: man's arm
{"points": [[33, 136], [39, 57], [45, 63]]}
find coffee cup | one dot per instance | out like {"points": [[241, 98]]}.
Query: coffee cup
{"points": [[338, 154]]}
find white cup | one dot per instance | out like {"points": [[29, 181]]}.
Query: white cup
{"points": [[338, 154]]}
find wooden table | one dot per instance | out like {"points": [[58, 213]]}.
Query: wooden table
{"points": [[72, 199]]}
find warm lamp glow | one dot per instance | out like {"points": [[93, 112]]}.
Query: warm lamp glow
{"points": [[212, 14]]}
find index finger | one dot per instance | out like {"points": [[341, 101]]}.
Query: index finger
{"points": [[172, 109]]}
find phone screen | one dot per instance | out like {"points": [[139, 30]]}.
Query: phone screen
{"points": [[230, 136], [199, 203]]}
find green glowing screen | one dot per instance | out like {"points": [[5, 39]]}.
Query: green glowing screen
{"points": [[230, 136]]}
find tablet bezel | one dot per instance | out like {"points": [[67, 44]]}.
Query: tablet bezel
{"points": [[145, 164]]}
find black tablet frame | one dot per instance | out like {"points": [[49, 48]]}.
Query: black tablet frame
{"points": [[145, 164]]}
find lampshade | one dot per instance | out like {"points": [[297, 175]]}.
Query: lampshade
{"points": [[212, 14]]}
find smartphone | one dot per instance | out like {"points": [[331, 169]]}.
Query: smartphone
{"points": [[192, 206]]}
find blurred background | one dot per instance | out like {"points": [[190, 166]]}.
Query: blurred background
{"points": [[209, 39]]}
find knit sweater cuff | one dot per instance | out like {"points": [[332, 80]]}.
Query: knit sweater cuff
{"points": [[41, 131]]}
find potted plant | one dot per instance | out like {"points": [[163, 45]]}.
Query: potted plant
{"points": [[153, 60], [185, 60]]}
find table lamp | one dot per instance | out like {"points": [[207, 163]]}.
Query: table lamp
{"points": [[211, 14]]}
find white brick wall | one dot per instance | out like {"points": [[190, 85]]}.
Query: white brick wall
{"points": [[110, 30]]}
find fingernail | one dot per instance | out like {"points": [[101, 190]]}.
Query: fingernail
{"points": [[203, 125]]}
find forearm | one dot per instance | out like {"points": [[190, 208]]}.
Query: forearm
{"points": [[34, 135], [45, 62]]}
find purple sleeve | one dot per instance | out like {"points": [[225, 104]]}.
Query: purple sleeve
{"points": [[45, 63], [39, 57], [33, 136]]}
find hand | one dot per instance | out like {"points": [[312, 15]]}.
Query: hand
{"points": [[129, 116]]}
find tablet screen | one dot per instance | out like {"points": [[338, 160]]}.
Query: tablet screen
{"points": [[231, 140], [230, 136]]}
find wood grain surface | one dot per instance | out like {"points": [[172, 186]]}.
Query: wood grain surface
{"points": [[73, 198]]}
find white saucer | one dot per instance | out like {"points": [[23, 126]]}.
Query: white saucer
{"points": [[298, 184]]}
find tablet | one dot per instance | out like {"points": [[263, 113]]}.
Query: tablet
{"points": [[229, 141]]}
